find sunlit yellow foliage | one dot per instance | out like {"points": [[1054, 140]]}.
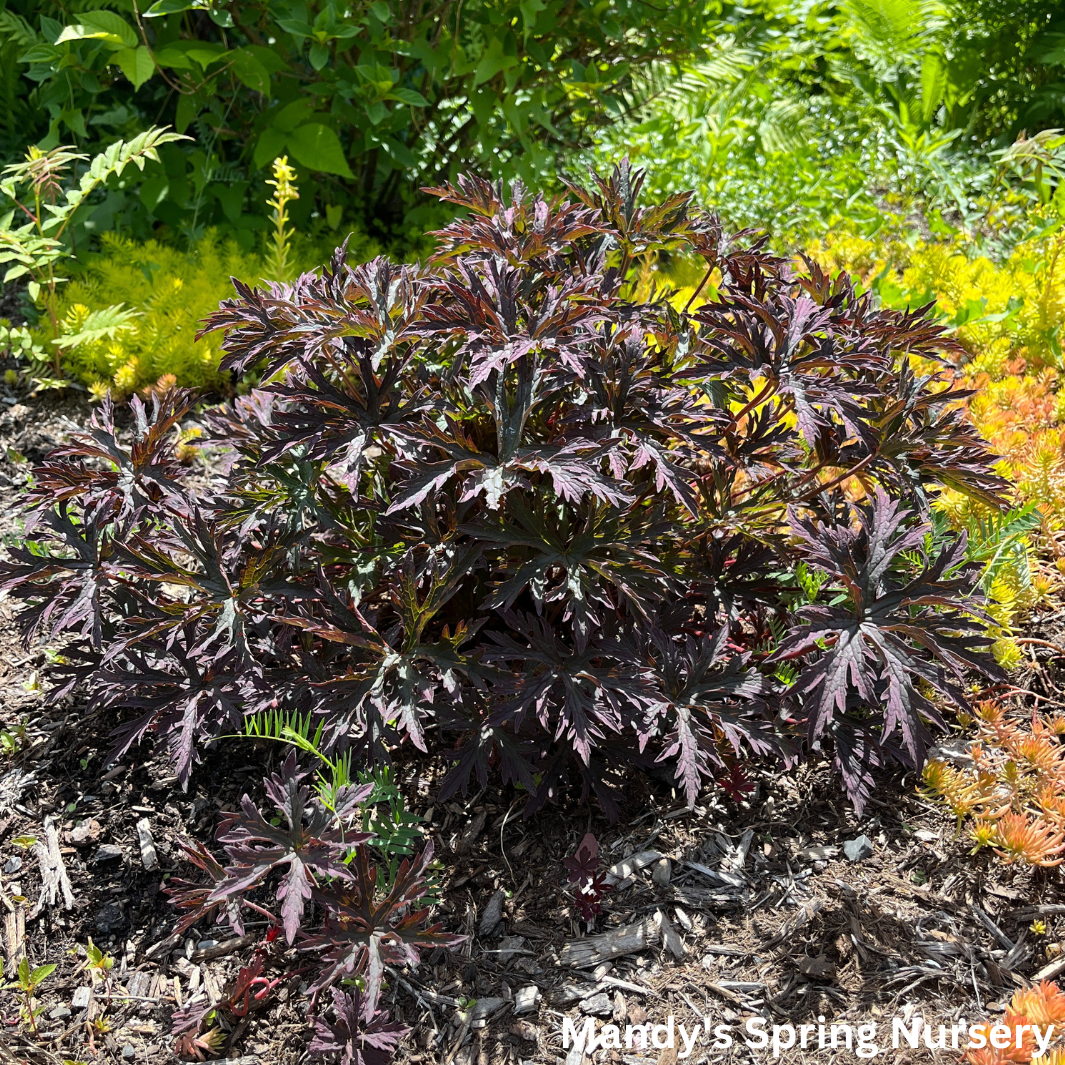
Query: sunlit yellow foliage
{"points": [[170, 293], [174, 291]]}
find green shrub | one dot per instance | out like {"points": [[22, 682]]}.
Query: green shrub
{"points": [[376, 98], [508, 509]]}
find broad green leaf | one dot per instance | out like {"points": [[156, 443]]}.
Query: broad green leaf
{"points": [[39, 53], [492, 62], [271, 144], [398, 151], [408, 96], [205, 53], [250, 71], [136, 64], [271, 61], [231, 196], [154, 190], [317, 147], [297, 27], [169, 7], [174, 56], [530, 9], [484, 103], [101, 25], [51, 29], [189, 105], [318, 55], [292, 115], [41, 973]]}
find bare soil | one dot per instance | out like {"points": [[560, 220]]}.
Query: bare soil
{"points": [[748, 910]]}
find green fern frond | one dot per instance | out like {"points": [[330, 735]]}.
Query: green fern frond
{"points": [[891, 32], [300, 731], [92, 326], [286, 726], [784, 126], [13, 27], [1000, 541]]}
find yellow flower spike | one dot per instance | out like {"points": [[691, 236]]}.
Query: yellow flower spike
{"points": [[278, 258]]}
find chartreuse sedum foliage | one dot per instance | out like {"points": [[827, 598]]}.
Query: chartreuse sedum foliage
{"points": [[519, 508], [131, 318], [166, 294]]}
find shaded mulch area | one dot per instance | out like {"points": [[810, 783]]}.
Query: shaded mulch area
{"points": [[743, 909]]}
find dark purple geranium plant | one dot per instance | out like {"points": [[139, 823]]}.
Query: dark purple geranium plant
{"points": [[313, 872], [517, 508]]}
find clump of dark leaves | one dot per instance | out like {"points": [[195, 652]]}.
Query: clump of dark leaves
{"points": [[583, 871], [314, 861], [352, 1041], [523, 509]]}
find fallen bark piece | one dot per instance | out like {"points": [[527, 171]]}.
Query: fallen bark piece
{"points": [[492, 917], [624, 869], [793, 924], [670, 937], [163, 946], [483, 1009], [567, 994], [661, 873], [509, 946], [738, 858], [12, 784], [713, 874], [54, 879], [14, 929], [820, 968], [1048, 972], [598, 1005], [613, 981], [526, 999], [818, 853], [221, 950], [593, 950], [149, 859]]}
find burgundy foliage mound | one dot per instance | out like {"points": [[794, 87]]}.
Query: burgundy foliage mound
{"points": [[515, 508], [315, 876]]}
